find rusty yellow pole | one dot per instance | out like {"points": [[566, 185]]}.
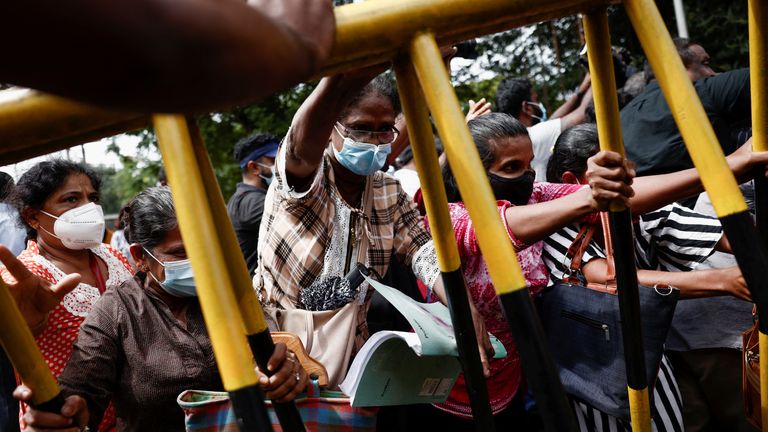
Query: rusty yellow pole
{"points": [[220, 309], [758, 75], [433, 190], [17, 341], [598, 40], [500, 258], [704, 149], [257, 333]]}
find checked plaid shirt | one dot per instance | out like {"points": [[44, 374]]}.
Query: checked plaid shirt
{"points": [[304, 235]]}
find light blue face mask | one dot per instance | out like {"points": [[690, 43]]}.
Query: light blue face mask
{"points": [[541, 108], [267, 179], [362, 158], [179, 279]]}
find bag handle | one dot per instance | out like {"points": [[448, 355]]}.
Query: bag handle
{"points": [[610, 277], [576, 254]]}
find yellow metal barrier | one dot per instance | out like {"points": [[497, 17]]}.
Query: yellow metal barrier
{"points": [[433, 189], [758, 75], [17, 341], [498, 253], [220, 310], [609, 131], [367, 33]]}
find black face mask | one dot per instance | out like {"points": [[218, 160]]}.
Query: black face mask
{"points": [[516, 190]]}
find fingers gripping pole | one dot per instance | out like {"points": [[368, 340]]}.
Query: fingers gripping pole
{"points": [[433, 190], [259, 339], [758, 73], [499, 255], [225, 325], [609, 131], [18, 342]]}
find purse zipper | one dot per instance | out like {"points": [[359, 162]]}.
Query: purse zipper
{"points": [[588, 322]]}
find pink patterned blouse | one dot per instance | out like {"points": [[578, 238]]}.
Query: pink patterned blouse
{"points": [[506, 375], [55, 342]]}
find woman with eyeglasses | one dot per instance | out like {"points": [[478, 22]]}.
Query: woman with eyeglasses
{"points": [[316, 217]]}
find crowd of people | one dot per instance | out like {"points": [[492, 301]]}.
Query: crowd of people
{"points": [[121, 327]]}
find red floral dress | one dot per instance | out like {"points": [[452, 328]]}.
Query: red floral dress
{"points": [[506, 374], [55, 342]]}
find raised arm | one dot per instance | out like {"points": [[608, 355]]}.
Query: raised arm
{"points": [[653, 192], [576, 102], [162, 55], [314, 121], [533, 222]]}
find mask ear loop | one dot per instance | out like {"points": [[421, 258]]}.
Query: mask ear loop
{"points": [[158, 261]]}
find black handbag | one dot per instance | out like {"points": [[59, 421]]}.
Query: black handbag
{"points": [[583, 326]]}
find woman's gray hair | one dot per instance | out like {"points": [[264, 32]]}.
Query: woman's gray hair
{"points": [[149, 217]]}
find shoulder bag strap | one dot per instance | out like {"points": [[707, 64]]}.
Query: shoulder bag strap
{"points": [[610, 276]]}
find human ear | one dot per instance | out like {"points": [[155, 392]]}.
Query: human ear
{"points": [[139, 257], [569, 177]]}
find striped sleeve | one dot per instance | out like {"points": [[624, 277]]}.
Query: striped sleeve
{"points": [[675, 238], [555, 248]]}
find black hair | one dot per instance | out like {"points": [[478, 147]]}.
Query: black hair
{"points": [[511, 94], [149, 217], [161, 177], [572, 149], [683, 46], [484, 129], [381, 85], [247, 145], [6, 186], [42, 180]]}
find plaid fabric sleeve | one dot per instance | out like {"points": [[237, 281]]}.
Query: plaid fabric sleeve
{"points": [[281, 179]]}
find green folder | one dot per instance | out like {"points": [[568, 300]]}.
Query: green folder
{"points": [[399, 368]]}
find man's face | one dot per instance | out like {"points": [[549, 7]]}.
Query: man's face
{"points": [[699, 67]]}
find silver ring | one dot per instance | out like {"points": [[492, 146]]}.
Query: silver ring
{"points": [[298, 377]]}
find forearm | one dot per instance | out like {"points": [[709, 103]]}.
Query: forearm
{"points": [[534, 222], [577, 116], [568, 106], [653, 192], [153, 55], [314, 122], [692, 284]]}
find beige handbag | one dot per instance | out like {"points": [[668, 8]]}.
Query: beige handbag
{"points": [[329, 336]]}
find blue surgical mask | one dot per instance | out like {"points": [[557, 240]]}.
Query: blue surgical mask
{"points": [[362, 158], [268, 179], [541, 108], [179, 279]]}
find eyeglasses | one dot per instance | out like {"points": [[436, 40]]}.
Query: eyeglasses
{"points": [[372, 137]]}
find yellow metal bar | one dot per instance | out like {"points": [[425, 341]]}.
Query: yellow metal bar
{"points": [[639, 407], [34, 124], [758, 72], [700, 139], [245, 296], [428, 166], [20, 345], [763, 345], [598, 40], [465, 163], [220, 309]]}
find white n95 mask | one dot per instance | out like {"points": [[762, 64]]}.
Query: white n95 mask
{"points": [[79, 228]]}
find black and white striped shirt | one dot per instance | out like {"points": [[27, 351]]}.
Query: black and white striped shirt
{"points": [[673, 238]]}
